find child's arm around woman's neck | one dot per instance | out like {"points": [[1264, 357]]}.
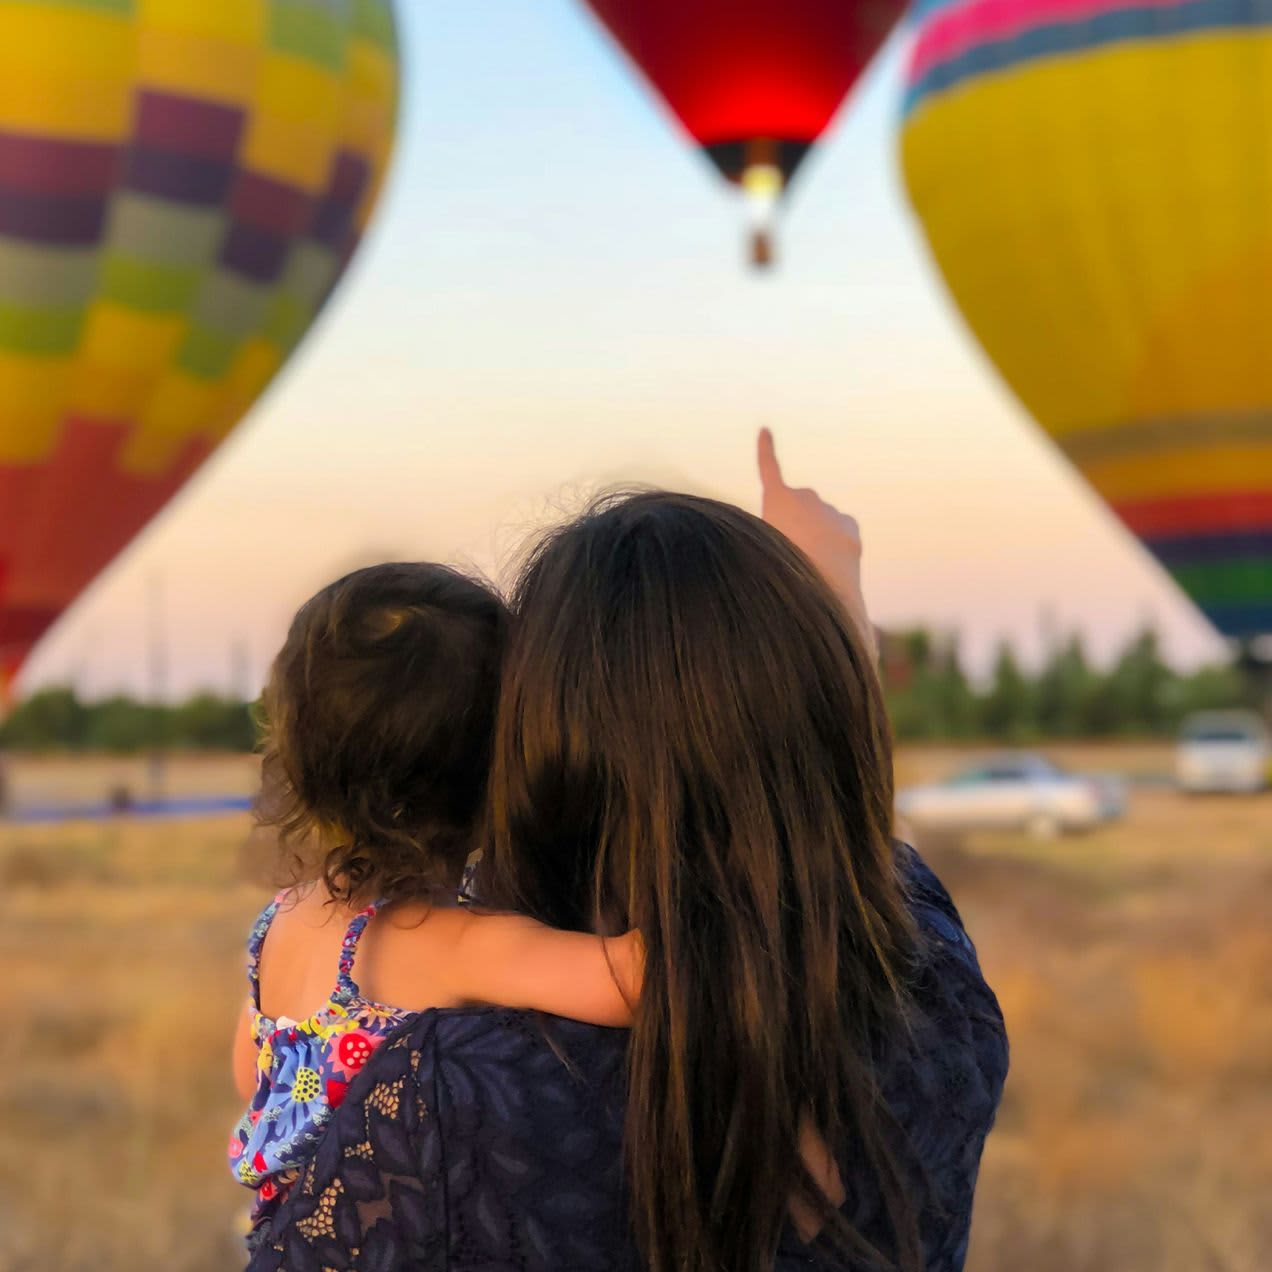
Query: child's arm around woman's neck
{"points": [[416, 955]]}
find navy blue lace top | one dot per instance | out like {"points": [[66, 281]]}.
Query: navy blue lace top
{"points": [[488, 1140]]}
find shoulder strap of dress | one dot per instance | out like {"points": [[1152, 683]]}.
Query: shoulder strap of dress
{"points": [[254, 944], [346, 986]]}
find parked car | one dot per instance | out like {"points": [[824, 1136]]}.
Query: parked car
{"points": [[1223, 751], [1016, 791]]}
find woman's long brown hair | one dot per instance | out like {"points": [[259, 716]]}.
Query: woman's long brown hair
{"points": [[691, 742]]}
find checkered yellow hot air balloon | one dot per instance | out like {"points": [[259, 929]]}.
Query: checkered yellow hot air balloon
{"points": [[1095, 181], [182, 183]]}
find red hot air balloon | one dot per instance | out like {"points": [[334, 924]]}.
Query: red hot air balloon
{"points": [[754, 82]]}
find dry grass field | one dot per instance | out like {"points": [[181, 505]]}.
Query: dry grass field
{"points": [[1134, 966]]}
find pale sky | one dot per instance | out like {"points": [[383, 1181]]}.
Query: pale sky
{"points": [[554, 299]]}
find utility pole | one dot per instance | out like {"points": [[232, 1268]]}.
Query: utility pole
{"points": [[1048, 634], [5, 685], [240, 670], [158, 688]]}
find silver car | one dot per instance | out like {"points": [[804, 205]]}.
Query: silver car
{"points": [[1223, 751], [1014, 791]]}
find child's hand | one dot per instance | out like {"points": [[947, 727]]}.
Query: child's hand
{"points": [[829, 538], [245, 1056], [627, 955]]}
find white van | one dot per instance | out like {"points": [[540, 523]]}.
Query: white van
{"points": [[1227, 751]]}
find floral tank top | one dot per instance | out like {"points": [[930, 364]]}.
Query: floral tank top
{"points": [[303, 1069]]}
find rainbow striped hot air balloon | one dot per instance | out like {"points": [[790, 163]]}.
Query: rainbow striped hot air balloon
{"points": [[1095, 181], [182, 183]]}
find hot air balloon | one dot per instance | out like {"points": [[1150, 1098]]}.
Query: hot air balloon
{"points": [[1095, 182], [182, 183], [753, 82]]}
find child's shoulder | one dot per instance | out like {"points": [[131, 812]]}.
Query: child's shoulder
{"points": [[303, 903], [408, 955], [303, 915], [418, 955], [418, 936], [310, 904], [297, 951]]}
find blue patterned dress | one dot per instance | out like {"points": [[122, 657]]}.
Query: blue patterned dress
{"points": [[489, 1140], [303, 1069]]}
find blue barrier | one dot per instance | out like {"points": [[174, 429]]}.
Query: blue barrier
{"points": [[157, 808]]}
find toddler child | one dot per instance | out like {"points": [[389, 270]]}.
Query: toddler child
{"points": [[380, 713]]}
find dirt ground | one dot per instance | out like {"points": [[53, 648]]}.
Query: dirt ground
{"points": [[1134, 966]]}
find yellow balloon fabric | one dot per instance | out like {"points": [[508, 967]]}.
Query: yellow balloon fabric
{"points": [[1095, 182], [182, 183]]}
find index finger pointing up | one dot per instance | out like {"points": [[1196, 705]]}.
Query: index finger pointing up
{"points": [[770, 469]]}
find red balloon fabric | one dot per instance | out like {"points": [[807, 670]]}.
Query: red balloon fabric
{"points": [[752, 81]]}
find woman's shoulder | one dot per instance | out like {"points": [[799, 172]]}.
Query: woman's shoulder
{"points": [[960, 1046], [940, 925]]}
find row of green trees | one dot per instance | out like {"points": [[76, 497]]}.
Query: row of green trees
{"points": [[931, 696], [59, 720]]}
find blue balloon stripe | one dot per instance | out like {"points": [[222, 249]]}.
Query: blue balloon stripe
{"points": [[1205, 549], [1131, 23], [1240, 620]]}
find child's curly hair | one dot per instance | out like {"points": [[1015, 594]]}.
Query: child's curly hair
{"points": [[378, 718]]}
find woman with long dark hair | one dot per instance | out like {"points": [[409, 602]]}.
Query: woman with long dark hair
{"points": [[691, 742]]}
